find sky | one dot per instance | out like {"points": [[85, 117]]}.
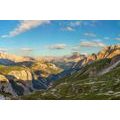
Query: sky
{"points": [[57, 37]]}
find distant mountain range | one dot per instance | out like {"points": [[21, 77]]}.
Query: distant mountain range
{"points": [[95, 76]]}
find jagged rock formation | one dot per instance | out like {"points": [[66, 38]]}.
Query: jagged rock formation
{"points": [[107, 52], [16, 82]]}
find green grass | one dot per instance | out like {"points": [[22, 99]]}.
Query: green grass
{"points": [[7, 69]]}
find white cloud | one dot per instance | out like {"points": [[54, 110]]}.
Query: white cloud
{"points": [[92, 44], [90, 34], [68, 28], [91, 23], [71, 26], [57, 46], [24, 26], [3, 49], [117, 38], [75, 23], [27, 49]]}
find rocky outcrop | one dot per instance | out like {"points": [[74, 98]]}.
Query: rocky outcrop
{"points": [[5, 86], [107, 52], [16, 82], [22, 79], [75, 57], [3, 78], [21, 75]]}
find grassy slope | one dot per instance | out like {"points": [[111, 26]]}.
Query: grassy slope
{"points": [[81, 85], [7, 69]]}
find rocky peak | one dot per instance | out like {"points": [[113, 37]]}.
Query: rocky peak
{"points": [[13, 58], [107, 52]]}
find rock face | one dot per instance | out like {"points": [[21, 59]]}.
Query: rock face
{"points": [[22, 75], [75, 57], [16, 82], [107, 52], [3, 78], [5, 86], [23, 79]]}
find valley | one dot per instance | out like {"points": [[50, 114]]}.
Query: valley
{"points": [[76, 77]]}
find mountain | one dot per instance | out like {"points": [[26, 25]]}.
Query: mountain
{"points": [[95, 77], [107, 52], [64, 62], [8, 59], [23, 75]]}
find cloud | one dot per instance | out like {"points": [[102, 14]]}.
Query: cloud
{"points": [[92, 44], [24, 26], [3, 49], [27, 49], [71, 26], [75, 23], [117, 39], [91, 23], [68, 28], [90, 34], [57, 46]]}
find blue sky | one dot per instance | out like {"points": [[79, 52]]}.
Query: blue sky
{"points": [[57, 38]]}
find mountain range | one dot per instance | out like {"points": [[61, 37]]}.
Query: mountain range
{"points": [[95, 76]]}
